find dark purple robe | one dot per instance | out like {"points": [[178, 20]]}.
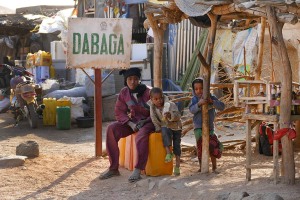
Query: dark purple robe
{"points": [[129, 109]]}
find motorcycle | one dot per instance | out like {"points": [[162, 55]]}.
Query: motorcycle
{"points": [[24, 97]]}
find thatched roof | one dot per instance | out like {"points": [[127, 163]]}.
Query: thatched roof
{"points": [[26, 19], [235, 14], [18, 24]]}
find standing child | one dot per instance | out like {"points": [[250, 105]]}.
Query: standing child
{"points": [[166, 118], [215, 147]]}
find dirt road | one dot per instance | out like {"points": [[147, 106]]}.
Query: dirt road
{"points": [[67, 169]]}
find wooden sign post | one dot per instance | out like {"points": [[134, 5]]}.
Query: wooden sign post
{"points": [[99, 43]]}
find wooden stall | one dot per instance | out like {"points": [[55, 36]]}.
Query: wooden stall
{"points": [[238, 15]]}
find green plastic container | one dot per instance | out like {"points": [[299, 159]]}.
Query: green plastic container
{"points": [[63, 117]]}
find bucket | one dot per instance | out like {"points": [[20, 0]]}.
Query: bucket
{"points": [[63, 118], [85, 122]]}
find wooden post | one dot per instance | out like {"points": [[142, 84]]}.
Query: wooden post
{"points": [[158, 32], [297, 140], [286, 89], [275, 156], [206, 95], [259, 67], [98, 113], [158, 53], [205, 55], [260, 49], [248, 150], [245, 62]]}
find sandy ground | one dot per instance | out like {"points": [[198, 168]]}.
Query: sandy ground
{"points": [[67, 169]]}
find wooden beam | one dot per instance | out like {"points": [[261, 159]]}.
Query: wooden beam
{"points": [[202, 59], [248, 150], [213, 3], [260, 49], [286, 90], [268, 118], [255, 11], [255, 123], [206, 95], [289, 9], [158, 32], [221, 85]]}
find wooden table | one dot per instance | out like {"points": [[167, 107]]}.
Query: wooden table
{"points": [[251, 121]]}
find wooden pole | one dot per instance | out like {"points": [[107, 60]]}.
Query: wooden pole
{"points": [[158, 32], [297, 140], [260, 49], [271, 56], [206, 95], [285, 105], [248, 150], [259, 67], [98, 113], [245, 62], [275, 157], [158, 53], [205, 55]]}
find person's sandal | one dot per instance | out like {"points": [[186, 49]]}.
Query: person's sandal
{"points": [[169, 157], [109, 174], [135, 176], [176, 171]]}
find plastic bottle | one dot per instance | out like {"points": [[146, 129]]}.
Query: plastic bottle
{"points": [[278, 96]]}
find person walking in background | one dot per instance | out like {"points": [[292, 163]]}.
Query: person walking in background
{"points": [[166, 118], [133, 116], [195, 107]]}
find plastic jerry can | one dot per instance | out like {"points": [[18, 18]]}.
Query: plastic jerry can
{"points": [[63, 117], [63, 102], [122, 146], [43, 58], [156, 165], [49, 113], [128, 153]]}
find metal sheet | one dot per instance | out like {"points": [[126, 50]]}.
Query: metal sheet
{"points": [[99, 43]]}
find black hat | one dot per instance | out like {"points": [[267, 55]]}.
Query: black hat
{"points": [[134, 71]]}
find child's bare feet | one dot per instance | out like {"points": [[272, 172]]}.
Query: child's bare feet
{"points": [[215, 171]]}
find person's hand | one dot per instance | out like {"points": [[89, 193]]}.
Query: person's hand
{"points": [[132, 125], [202, 102], [140, 124], [210, 101], [167, 115]]}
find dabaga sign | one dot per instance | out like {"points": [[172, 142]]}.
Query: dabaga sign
{"points": [[99, 43]]}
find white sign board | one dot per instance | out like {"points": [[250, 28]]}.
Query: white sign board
{"points": [[99, 43]]}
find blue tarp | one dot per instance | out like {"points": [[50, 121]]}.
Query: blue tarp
{"points": [[135, 1], [169, 85]]}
